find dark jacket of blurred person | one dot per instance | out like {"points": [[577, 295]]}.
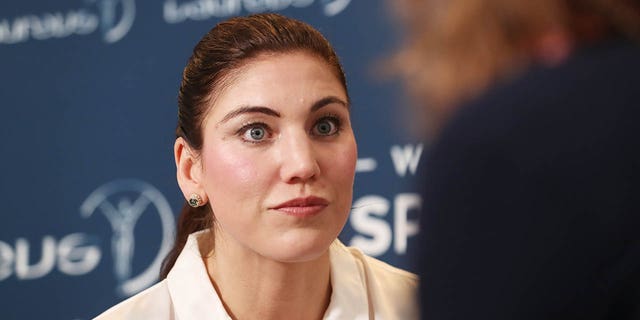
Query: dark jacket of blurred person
{"points": [[532, 184]]}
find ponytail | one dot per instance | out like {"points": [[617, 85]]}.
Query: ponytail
{"points": [[190, 220]]}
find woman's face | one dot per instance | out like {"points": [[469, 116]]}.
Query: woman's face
{"points": [[278, 159]]}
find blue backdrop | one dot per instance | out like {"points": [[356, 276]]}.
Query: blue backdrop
{"points": [[88, 93]]}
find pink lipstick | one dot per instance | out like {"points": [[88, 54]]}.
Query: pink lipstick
{"points": [[302, 207]]}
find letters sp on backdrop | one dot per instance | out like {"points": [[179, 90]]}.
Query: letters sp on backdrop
{"points": [[90, 225]]}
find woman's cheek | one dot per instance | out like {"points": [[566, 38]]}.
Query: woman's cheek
{"points": [[349, 153], [236, 167]]}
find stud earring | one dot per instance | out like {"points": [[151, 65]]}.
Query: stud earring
{"points": [[195, 200]]}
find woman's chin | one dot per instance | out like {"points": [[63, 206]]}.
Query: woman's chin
{"points": [[294, 249]]}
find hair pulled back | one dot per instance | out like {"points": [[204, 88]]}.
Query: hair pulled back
{"points": [[222, 52]]}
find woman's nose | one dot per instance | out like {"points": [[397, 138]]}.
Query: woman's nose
{"points": [[299, 161]]}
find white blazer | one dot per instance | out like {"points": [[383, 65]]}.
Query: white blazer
{"points": [[362, 288]]}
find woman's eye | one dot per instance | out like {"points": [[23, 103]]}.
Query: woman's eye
{"points": [[326, 126], [254, 133]]}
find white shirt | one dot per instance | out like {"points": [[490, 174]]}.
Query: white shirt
{"points": [[362, 288]]}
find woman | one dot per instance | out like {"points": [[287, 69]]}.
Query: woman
{"points": [[265, 157], [532, 184]]}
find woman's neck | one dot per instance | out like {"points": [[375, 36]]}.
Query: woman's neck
{"points": [[254, 287]]}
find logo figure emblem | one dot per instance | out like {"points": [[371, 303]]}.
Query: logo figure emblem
{"points": [[113, 29], [333, 7], [131, 198]]}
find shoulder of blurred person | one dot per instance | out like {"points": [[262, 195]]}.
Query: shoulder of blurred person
{"points": [[531, 194]]}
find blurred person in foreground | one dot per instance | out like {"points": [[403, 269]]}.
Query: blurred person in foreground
{"points": [[532, 181]]}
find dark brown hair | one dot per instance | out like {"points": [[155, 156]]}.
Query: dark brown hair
{"points": [[220, 53]]}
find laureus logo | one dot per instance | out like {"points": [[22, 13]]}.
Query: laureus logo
{"points": [[177, 11], [122, 203], [333, 7], [113, 18], [116, 17]]}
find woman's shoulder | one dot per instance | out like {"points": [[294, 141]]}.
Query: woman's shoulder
{"points": [[152, 303], [377, 268], [393, 290]]}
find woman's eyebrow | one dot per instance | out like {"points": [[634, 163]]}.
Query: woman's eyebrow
{"points": [[270, 112], [249, 109], [327, 101]]}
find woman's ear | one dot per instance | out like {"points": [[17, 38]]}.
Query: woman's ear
{"points": [[188, 170]]}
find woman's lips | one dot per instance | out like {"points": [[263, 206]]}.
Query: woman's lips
{"points": [[302, 207]]}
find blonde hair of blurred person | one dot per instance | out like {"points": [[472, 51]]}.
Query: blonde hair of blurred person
{"points": [[455, 49]]}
